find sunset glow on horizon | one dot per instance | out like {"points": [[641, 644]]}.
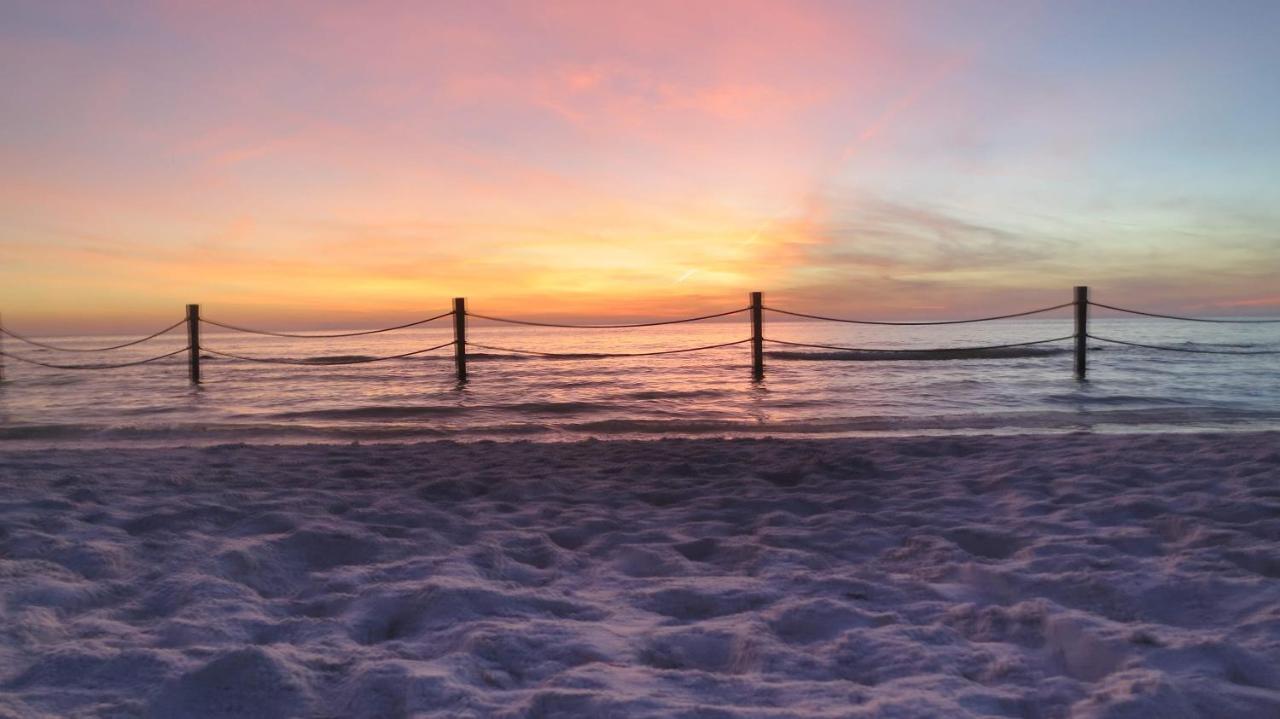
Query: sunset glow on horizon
{"points": [[322, 164]]}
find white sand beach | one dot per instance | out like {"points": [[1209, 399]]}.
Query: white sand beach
{"points": [[1035, 576]]}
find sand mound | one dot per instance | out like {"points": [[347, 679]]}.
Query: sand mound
{"points": [[242, 684]]}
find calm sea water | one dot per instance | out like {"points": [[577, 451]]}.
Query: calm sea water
{"points": [[700, 394]]}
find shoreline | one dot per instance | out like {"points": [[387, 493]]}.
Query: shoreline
{"points": [[769, 435], [1082, 574]]}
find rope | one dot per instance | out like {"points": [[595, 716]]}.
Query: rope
{"points": [[1184, 319], [594, 355], [605, 327], [1184, 349], [340, 334], [267, 360], [30, 341], [20, 358], [917, 324], [932, 349]]}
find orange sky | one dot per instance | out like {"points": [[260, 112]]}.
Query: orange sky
{"points": [[321, 164]]}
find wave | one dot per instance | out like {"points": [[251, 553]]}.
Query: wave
{"points": [[204, 433], [675, 394], [51, 380], [1029, 420], [555, 407], [392, 412], [47, 431], [1223, 345], [898, 356], [369, 413], [1117, 399], [1190, 344], [491, 357], [289, 430], [335, 359]]}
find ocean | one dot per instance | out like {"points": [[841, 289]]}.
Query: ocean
{"points": [[806, 392]]}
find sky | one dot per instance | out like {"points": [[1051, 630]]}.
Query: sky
{"points": [[330, 164]]}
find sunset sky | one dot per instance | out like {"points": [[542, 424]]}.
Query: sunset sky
{"points": [[325, 164]]}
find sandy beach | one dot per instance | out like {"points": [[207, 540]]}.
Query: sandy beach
{"points": [[1035, 576]]}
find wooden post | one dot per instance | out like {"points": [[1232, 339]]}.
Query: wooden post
{"points": [[1, 350], [193, 342], [757, 336], [1082, 330], [460, 336]]}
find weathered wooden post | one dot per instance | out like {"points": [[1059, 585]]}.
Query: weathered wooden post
{"points": [[193, 342], [757, 336], [460, 336], [1082, 330]]}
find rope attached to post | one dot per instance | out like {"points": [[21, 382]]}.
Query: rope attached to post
{"points": [[925, 350], [919, 324], [605, 355], [1183, 319], [323, 363], [361, 333], [532, 323], [149, 360], [58, 348], [1184, 349]]}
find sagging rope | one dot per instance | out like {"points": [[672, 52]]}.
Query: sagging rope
{"points": [[532, 323], [57, 348], [919, 324], [1183, 349], [322, 363], [925, 350], [605, 355], [1184, 319], [270, 333], [28, 360]]}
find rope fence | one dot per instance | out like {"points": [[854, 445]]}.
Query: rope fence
{"points": [[530, 323], [116, 365], [1185, 319], [361, 333], [896, 350], [755, 309], [323, 361], [920, 324], [1165, 348], [605, 355], [57, 348]]}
